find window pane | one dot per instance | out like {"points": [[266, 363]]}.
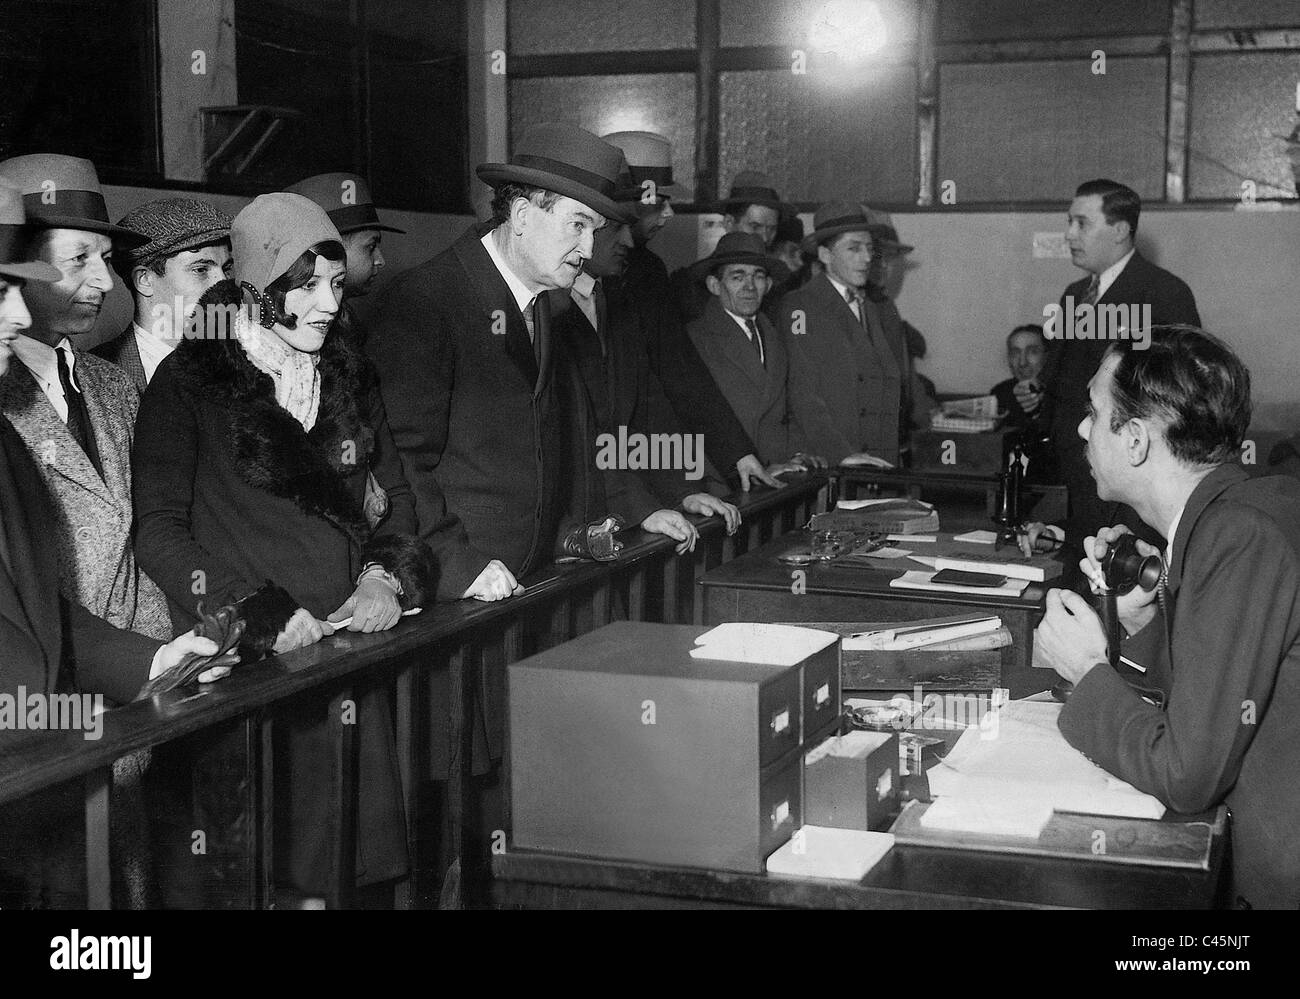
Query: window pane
{"points": [[1005, 20], [663, 103], [1032, 131], [788, 22], [820, 140], [558, 27], [1240, 104], [79, 78], [1246, 13]]}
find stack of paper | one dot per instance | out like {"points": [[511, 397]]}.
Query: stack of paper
{"points": [[919, 580], [774, 644], [835, 854], [921, 636]]}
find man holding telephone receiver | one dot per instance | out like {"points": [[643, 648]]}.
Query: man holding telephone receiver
{"points": [[1215, 647]]}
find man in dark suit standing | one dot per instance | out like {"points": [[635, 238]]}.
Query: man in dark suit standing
{"points": [[472, 378], [743, 351], [847, 352], [187, 253], [1103, 223], [1221, 645], [695, 396]]}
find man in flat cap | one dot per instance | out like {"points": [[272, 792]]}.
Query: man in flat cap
{"points": [[75, 411], [694, 394], [187, 253], [847, 353]]}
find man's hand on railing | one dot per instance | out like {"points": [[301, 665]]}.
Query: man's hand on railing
{"points": [[301, 631], [749, 467], [706, 504], [672, 524], [495, 582], [373, 606]]}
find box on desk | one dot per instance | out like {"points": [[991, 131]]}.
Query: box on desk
{"points": [[624, 746], [980, 453], [851, 781]]}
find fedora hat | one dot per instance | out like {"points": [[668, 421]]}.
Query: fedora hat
{"points": [[172, 225], [63, 192], [883, 233], [833, 218], [753, 188], [13, 237], [346, 200], [650, 157], [272, 232], [737, 248], [568, 160]]}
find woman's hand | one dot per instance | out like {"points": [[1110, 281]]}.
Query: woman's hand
{"points": [[673, 525], [301, 631], [705, 504], [372, 607]]}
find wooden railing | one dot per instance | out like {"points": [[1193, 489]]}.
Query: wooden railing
{"points": [[648, 582]]}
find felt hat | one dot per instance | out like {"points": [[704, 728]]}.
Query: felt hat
{"points": [[737, 248], [883, 234], [650, 157], [568, 160], [272, 232], [172, 225], [345, 198], [13, 237], [833, 218], [753, 188], [63, 192]]}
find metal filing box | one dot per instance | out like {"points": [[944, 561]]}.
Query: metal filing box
{"points": [[623, 746]]}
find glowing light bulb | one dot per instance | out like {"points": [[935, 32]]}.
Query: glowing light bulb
{"points": [[850, 29]]}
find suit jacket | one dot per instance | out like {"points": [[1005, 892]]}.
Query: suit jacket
{"points": [[1069, 366], [622, 391], [48, 643], [488, 437], [846, 388], [123, 351], [1228, 660], [757, 392], [696, 398], [97, 567]]}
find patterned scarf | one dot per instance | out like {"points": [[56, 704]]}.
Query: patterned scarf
{"points": [[295, 373]]}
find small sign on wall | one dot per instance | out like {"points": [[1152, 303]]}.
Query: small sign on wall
{"points": [[1050, 246]]}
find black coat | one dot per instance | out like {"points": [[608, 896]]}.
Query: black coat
{"points": [[229, 485], [46, 642], [695, 396], [623, 391], [1069, 366], [489, 438]]}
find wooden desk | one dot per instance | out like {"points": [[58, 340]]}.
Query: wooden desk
{"points": [[908, 877], [756, 587]]}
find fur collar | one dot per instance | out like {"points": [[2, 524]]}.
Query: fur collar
{"points": [[268, 448]]}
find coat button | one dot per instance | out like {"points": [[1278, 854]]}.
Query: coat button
{"points": [[861, 379], [85, 534]]}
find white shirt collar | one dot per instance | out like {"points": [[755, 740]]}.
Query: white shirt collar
{"points": [[42, 361], [523, 297], [584, 284], [153, 349], [839, 285], [1109, 275], [740, 321], [1169, 551]]}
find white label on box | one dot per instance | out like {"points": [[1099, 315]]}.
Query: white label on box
{"points": [[822, 694], [780, 813], [884, 785], [781, 721]]}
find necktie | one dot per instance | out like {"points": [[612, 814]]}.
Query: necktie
{"points": [[755, 339], [78, 416], [541, 326], [1094, 289]]}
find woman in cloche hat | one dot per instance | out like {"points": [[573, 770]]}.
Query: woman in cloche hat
{"points": [[251, 463]]}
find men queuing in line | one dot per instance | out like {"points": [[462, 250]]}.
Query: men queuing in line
{"points": [[847, 353], [1103, 223], [75, 411], [743, 351], [1207, 716], [693, 393], [187, 253], [602, 327]]}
